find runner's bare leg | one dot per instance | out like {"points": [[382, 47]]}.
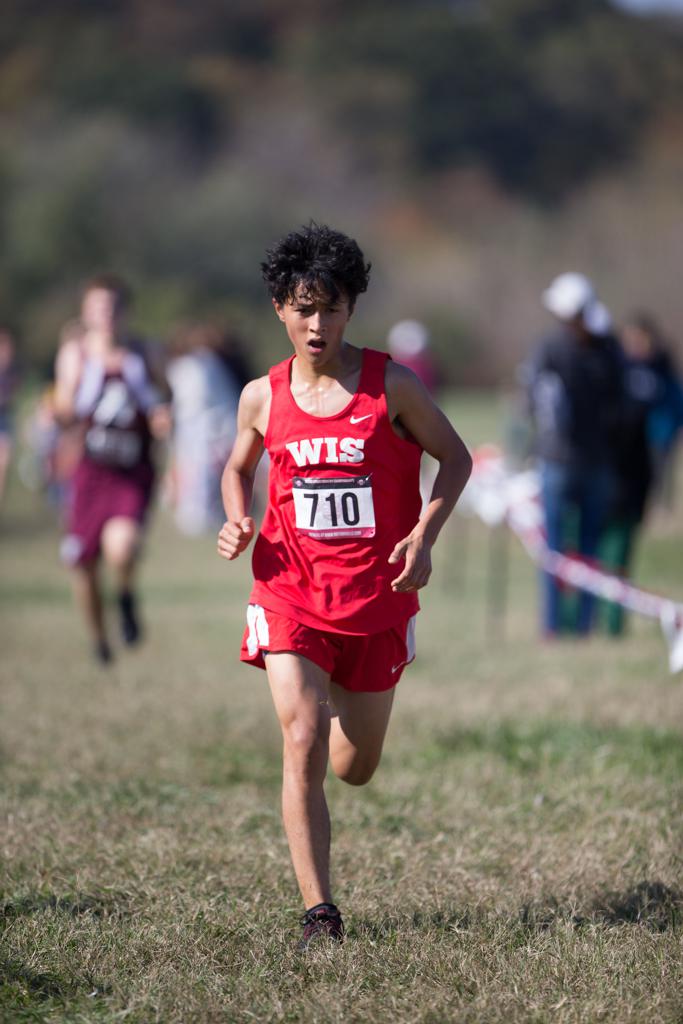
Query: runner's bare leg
{"points": [[89, 599], [357, 732], [300, 695], [120, 546]]}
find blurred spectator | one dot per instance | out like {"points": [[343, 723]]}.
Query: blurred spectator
{"points": [[8, 386], [40, 435], [232, 352], [408, 343], [654, 379], [653, 413], [575, 386], [205, 396], [104, 386]]}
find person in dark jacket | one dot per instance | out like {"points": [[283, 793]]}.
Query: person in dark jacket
{"points": [[575, 386], [653, 414]]}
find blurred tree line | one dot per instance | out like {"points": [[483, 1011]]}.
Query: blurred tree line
{"points": [[173, 141]]}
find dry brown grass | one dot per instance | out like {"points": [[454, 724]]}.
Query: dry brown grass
{"points": [[518, 856]]}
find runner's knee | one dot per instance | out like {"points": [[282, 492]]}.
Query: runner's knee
{"points": [[120, 545], [305, 747], [357, 772]]}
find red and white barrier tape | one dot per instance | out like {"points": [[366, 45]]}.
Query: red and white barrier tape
{"points": [[496, 495]]}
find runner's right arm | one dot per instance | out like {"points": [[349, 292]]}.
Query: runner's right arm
{"points": [[68, 368], [238, 476]]}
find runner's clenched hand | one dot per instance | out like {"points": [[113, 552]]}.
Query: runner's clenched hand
{"points": [[235, 537]]}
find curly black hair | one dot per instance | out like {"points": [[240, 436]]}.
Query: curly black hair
{"points": [[326, 262]]}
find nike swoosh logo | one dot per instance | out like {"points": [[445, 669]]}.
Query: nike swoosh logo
{"points": [[357, 419], [395, 668]]}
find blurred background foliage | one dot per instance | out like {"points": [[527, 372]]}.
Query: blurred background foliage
{"points": [[474, 147]]}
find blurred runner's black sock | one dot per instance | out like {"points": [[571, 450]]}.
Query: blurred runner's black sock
{"points": [[130, 626]]}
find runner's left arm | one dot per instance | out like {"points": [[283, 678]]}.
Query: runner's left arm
{"points": [[410, 403], [156, 408]]}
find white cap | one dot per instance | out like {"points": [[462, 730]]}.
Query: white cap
{"points": [[571, 294], [568, 295], [408, 338]]}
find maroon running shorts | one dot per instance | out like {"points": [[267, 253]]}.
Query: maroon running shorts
{"points": [[98, 494]]}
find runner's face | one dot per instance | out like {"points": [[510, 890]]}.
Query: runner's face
{"points": [[101, 310], [315, 326]]}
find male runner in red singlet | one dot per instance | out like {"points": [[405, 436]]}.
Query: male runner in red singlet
{"points": [[343, 548]]}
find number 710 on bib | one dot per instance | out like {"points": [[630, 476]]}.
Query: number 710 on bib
{"points": [[334, 508]]}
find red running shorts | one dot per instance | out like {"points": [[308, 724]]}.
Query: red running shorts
{"points": [[362, 664]]}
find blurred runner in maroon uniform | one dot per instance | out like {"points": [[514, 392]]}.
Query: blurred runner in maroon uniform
{"points": [[104, 385]]}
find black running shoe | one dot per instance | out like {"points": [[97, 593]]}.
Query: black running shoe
{"points": [[130, 626], [320, 923]]}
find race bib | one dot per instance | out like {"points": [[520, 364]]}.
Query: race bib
{"points": [[331, 509]]}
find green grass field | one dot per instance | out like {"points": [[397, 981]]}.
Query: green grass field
{"points": [[517, 857]]}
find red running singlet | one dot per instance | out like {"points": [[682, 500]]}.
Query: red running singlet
{"points": [[342, 491]]}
